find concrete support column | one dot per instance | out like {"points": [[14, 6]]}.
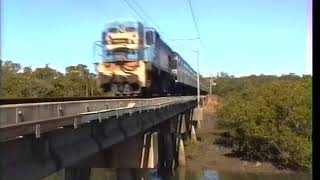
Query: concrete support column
{"points": [[166, 146], [182, 128], [145, 150], [188, 121], [182, 124], [153, 151], [193, 134], [181, 154], [198, 116], [169, 151], [77, 173]]}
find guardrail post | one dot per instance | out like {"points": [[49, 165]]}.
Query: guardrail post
{"points": [[100, 118], [19, 116], [37, 131], [60, 111], [75, 123]]}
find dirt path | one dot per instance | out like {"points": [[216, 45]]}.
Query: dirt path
{"points": [[214, 156]]}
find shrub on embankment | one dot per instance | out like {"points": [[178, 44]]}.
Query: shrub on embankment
{"points": [[270, 120]]}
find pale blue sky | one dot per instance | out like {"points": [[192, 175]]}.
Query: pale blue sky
{"points": [[241, 37]]}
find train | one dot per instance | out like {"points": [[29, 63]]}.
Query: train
{"points": [[136, 61]]}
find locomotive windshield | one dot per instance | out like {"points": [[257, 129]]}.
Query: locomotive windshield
{"points": [[131, 29], [121, 55], [127, 29], [113, 30], [123, 35]]}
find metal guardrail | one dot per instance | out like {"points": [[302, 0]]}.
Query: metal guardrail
{"points": [[40, 124], [6, 101], [18, 113]]}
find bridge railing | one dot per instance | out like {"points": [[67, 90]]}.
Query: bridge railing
{"points": [[17, 113], [38, 121]]}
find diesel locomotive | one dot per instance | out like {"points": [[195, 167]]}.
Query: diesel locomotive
{"points": [[136, 61]]}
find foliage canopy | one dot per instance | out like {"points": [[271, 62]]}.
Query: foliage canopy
{"points": [[47, 82], [268, 117]]}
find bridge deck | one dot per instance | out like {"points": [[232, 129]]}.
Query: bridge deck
{"points": [[17, 120], [53, 141]]}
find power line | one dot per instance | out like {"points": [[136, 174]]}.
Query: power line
{"points": [[144, 12], [194, 20], [153, 22], [183, 39], [179, 45], [134, 10]]}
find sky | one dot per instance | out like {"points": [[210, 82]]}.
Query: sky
{"points": [[238, 37]]}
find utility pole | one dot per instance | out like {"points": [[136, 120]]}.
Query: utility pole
{"points": [[212, 83], [198, 80], [210, 86]]}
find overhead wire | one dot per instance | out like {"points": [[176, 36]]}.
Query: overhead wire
{"points": [[146, 15], [183, 39], [131, 7], [155, 24], [194, 20], [144, 12]]}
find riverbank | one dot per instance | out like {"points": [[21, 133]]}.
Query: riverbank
{"points": [[208, 154]]}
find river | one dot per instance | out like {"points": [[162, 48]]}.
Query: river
{"points": [[184, 174]]}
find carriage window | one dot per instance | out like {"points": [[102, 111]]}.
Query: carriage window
{"points": [[149, 37]]}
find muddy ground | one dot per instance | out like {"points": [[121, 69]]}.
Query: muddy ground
{"points": [[209, 155]]}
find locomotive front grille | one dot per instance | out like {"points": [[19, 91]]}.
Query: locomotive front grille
{"points": [[120, 41]]}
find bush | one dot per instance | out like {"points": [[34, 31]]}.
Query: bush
{"points": [[191, 148], [271, 121]]}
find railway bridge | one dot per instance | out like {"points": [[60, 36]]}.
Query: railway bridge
{"points": [[40, 138]]}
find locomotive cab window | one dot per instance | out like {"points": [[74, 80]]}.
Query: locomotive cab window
{"points": [[130, 29], [113, 30], [149, 38], [103, 36]]}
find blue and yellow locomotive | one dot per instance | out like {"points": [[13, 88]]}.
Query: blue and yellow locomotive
{"points": [[136, 61]]}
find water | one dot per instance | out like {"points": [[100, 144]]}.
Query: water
{"points": [[180, 174], [183, 174]]}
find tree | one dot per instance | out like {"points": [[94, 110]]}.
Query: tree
{"points": [[271, 120], [47, 82], [11, 81], [79, 76]]}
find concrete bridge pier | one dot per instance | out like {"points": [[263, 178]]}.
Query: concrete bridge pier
{"points": [[166, 147], [153, 158], [193, 134], [181, 153], [198, 116], [182, 126]]}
